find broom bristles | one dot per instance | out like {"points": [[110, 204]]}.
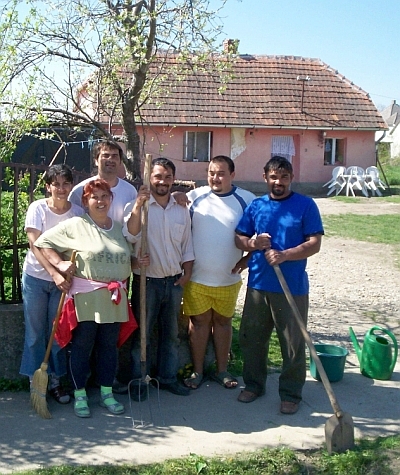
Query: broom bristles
{"points": [[38, 391]]}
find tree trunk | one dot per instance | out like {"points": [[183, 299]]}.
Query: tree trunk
{"points": [[132, 141]]}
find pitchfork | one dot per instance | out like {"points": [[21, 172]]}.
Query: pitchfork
{"points": [[145, 379]]}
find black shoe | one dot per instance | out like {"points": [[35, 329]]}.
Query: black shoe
{"points": [[138, 392], [119, 388], [175, 388]]}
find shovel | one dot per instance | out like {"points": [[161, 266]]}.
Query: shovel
{"points": [[339, 428]]}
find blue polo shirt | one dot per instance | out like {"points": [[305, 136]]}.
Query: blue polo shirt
{"points": [[289, 221]]}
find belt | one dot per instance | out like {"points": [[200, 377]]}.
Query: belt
{"points": [[162, 279]]}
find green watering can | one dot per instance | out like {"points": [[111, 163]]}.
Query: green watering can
{"points": [[375, 357]]}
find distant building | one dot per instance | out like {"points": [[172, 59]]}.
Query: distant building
{"points": [[391, 116]]}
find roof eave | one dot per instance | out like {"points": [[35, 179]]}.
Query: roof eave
{"points": [[253, 126]]}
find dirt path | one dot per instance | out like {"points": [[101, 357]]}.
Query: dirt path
{"points": [[352, 283]]}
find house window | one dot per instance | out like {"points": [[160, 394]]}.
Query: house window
{"points": [[334, 152], [197, 146], [283, 146]]}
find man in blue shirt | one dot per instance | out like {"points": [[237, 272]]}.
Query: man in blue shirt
{"points": [[280, 228]]}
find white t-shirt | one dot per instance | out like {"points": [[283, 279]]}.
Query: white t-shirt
{"points": [[123, 192], [214, 220], [39, 216]]}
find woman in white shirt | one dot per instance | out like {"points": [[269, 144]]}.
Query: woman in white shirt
{"points": [[41, 282]]}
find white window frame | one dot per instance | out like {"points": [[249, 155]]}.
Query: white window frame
{"points": [[334, 142]]}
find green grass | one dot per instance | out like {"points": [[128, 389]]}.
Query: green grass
{"points": [[391, 170], [384, 229], [370, 457]]}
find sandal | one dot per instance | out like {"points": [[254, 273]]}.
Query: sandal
{"points": [[81, 407], [225, 379], [113, 406], [194, 381]]}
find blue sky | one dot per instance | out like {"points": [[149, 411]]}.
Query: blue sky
{"points": [[359, 38]]}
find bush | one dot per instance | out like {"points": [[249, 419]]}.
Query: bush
{"points": [[12, 235]]}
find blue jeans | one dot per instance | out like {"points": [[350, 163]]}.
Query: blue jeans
{"points": [[100, 337], [40, 300], [163, 303]]}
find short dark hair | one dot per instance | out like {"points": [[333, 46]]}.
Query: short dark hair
{"points": [[278, 163], [224, 158], [58, 170], [96, 183], [99, 146], [163, 162]]}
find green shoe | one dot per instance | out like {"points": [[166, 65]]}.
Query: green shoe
{"points": [[113, 406], [81, 407]]}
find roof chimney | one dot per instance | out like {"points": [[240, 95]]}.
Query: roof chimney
{"points": [[231, 46]]}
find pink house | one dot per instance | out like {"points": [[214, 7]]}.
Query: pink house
{"points": [[272, 105]]}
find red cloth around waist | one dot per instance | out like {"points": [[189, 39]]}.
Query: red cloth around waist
{"points": [[68, 322]]}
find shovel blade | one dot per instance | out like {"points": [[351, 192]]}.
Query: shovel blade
{"points": [[339, 433]]}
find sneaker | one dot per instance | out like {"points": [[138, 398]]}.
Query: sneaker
{"points": [[175, 388], [60, 395], [138, 392]]}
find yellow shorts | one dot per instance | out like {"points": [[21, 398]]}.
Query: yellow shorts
{"points": [[198, 298]]}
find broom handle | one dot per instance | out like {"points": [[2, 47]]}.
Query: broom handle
{"points": [[307, 338], [143, 251], [58, 314]]}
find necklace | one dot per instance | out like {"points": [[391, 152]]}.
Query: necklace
{"points": [[102, 226]]}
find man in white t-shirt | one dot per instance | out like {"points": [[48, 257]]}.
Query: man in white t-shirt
{"points": [[107, 157], [210, 296]]}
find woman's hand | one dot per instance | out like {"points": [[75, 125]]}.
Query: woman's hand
{"points": [[62, 283], [66, 268]]}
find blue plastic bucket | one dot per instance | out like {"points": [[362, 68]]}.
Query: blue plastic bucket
{"points": [[333, 359]]}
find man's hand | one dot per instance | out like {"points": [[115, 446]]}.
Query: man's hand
{"points": [[181, 198], [183, 280], [137, 262], [261, 242], [142, 196], [274, 257], [241, 264]]}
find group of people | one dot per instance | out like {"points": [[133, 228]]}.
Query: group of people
{"points": [[195, 246]]}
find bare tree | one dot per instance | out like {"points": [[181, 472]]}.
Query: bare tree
{"points": [[87, 62]]}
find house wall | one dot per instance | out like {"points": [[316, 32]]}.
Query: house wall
{"points": [[254, 149]]}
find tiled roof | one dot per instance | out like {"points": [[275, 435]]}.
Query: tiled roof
{"points": [[265, 91], [391, 114]]}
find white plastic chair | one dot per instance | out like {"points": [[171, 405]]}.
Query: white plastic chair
{"points": [[373, 181], [337, 182], [356, 179]]}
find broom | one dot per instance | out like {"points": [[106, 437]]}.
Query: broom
{"points": [[40, 376]]}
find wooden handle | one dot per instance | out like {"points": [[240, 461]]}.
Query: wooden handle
{"points": [[307, 338], [58, 314], [143, 251]]}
